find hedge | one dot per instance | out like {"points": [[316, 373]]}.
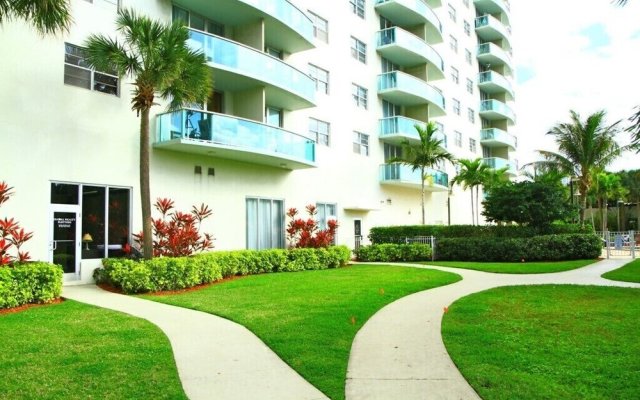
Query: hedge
{"points": [[539, 248], [387, 252], [168, 273], [397, 234], [34, 282]]}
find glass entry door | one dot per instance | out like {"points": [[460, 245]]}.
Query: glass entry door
{"points": [[65, 238]]}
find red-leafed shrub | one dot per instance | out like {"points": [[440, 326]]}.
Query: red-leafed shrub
{"points": [[176, 233], [306, 232], [12, 236]]}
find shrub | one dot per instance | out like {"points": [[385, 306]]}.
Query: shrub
{"points": [[34, 282], [388, 252], [307, 233], [11, 234]]}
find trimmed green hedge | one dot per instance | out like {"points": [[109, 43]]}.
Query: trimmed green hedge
{"points": [[34, 282], [397, 234], [539, 248], [168, 273], [387, 252]]}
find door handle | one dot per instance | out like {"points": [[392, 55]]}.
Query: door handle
{"points": [[54, 245]]}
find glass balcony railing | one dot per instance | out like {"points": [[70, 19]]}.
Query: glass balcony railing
{"points": [[498, 136], [246, 61], [492, 6], [409, 12], [495, 80], [491, 53], [400, 173], [490, 28], [287, 13], [203, 128], [499, 163], [409, 90], [404, 128], [494, 109], [415, 49]]}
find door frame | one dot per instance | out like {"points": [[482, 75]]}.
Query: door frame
{"points": [[69, 208]]}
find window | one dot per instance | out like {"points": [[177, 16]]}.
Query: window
{"points": [[198, 22], [359, 95], [453, 43], [471, 115], [452, 13], [391, 152], [468, 56], [388, 66], [273, 52], [455, 76], [441, 135], [319, 131], [469, 86], [358, 50], [320, 77], [472, 145], [357, 7], [325, 212], [360, 143], [320, 27], [273, 116], [456, 106], [467, 28], [265, 223], [390, 110], [78, 73], [458, 138]]}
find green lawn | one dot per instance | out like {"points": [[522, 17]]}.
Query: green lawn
{"points": [[547, 342], [515, 267], [75, 351], [306, 317], [628, 273]]}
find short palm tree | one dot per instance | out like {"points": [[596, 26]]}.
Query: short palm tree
{"points": [[47, 16], [584, 147], [472, 174], [423, 155], [160, 63], [607, 186]]}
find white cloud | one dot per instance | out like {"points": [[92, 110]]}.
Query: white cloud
{"points": [[567, 73]]}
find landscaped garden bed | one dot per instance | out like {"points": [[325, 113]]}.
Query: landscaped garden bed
{"points": [[540, 267], [630, 272]]}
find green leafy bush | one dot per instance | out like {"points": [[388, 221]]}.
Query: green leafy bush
{"points": [[388, 252], [539, 248], [34, 282], [164, 273]]}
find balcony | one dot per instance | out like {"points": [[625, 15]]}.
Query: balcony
{"points": [[496, 110], [493, 137], [499, 163], [239, 67], [492, 82], [411, 13], [490, 53], [493, 7], [403, 175], [396, 130], [489, 28], [226, 136], [406, 90], [408, 50]]}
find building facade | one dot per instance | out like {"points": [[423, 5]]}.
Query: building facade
{"points": [[310, 101]]}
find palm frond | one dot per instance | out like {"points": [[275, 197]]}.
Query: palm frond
{"points": [[47, 16]]}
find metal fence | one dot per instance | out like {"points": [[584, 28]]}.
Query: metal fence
{"points": [[430, 240], [620, 243]]}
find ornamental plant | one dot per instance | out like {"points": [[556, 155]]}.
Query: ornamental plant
{"points": [[176, 233], [12, 236], [306, 232]]}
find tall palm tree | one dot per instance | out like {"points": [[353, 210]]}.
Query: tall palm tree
{"points": [[423, 155], [607, 186], [160, 63], [47, 16], [631, 181], [584, 147], [472, 174]]}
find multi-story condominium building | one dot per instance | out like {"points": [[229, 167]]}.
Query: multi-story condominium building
{"points": [[310, 101]]}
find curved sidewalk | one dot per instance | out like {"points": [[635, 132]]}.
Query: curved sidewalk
{"points": [[399, 353], [216, 358]]}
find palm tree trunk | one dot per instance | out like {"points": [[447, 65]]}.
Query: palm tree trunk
{"points": [[477, 205], [472, 212], [145, 192], [422, 194]]}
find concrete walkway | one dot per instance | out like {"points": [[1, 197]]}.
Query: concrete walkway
{"points": [[399, 353], [216, 358]]}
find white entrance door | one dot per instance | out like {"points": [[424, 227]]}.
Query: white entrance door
{"points": [[64, 246]]}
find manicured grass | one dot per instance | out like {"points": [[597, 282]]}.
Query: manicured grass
{"points": [[515, 267], [310, 318], [628, 273], [547, 342], [75, 351]]}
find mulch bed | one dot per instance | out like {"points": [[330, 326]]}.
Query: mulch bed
{"points": [[113, 289], [28, 306]]}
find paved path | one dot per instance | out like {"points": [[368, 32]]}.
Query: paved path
{"points": [[399, 353], [216, 358]]}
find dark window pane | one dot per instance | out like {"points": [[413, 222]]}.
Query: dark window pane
{"points": [[93, 221], [63, 193], [119, 209], [77, 76]]}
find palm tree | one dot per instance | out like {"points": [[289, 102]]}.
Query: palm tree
{"points": [[584, 147], [631, 181], [423, 155], [158, 60], [47, 16], [607, 186], [472, 174]]}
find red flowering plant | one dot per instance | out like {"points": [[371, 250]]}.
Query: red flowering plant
{"points": [[12, 236], [177, 234], [306, 232]]}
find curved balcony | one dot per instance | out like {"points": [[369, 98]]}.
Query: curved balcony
{"points": [[411, 13], [493, 137], [496, 110], [406, 90], [239, 67], [234, 138], [489, 28], [492, 54], [492, 82], [493, 7], [396, 130], [403, 175], [408, 50], [499, 163]]}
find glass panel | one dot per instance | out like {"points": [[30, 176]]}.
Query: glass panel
{"points": [[64, 237], [264, 224], [93, 221], [277, 214], [197, 22], [118, 227], [105, 83], [77, 76], [252, 223], [274, 117], [180, 14], [63, 193]]}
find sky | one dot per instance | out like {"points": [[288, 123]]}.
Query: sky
{"points": [[581, 55]]}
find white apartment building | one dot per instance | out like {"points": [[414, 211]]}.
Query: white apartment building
{"points": [[311, 99]]}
